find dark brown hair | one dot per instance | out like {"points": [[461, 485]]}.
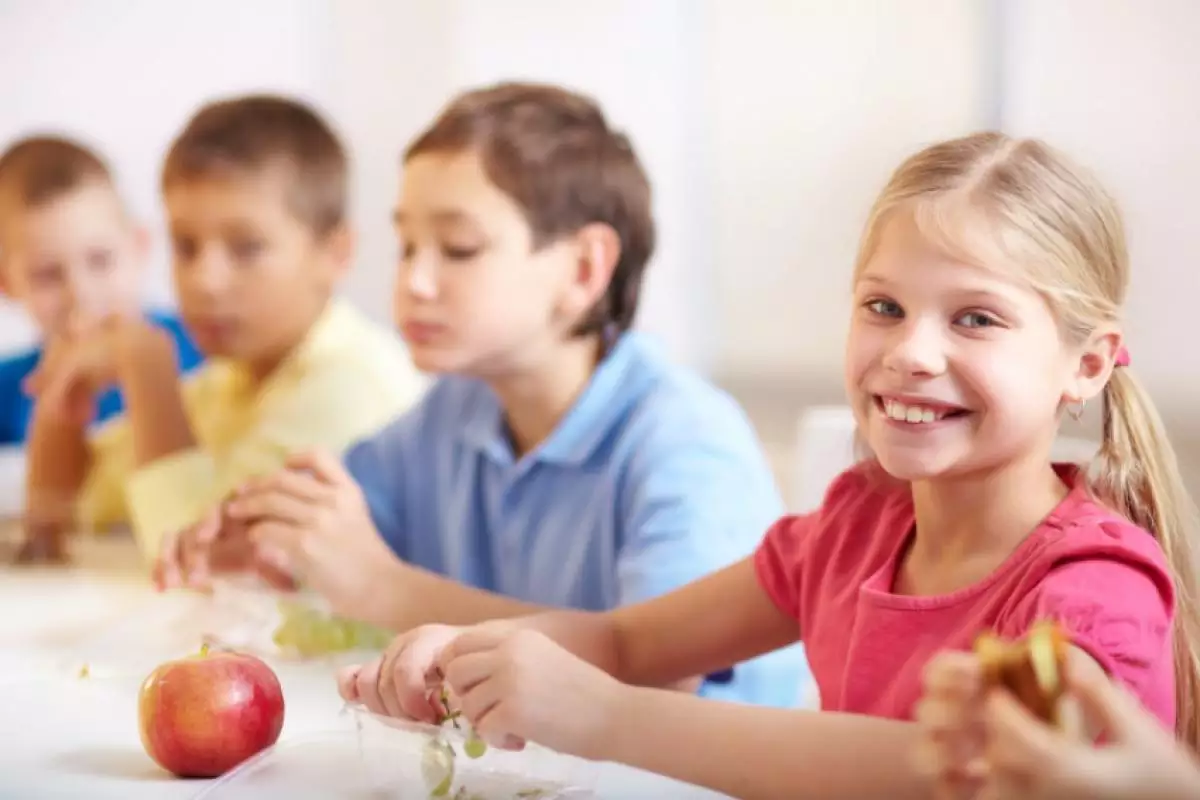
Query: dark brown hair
{"points": [[38, 169], [552, 151], [260, 132]]}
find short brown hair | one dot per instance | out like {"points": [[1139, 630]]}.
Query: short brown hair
{"points": [[41, 168], [552, 151], [259, 132]]}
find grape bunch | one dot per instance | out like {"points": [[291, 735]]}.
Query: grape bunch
{"points": [[437, 760], [308, 632]]}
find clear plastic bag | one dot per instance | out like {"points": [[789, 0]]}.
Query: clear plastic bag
{"points": [[236, 615], [391, 758]]}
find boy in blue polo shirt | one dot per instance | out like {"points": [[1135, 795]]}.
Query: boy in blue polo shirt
{"points": [[560, 460]]}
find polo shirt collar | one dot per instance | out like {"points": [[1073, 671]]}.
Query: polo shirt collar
{"points": [[612, 388]]}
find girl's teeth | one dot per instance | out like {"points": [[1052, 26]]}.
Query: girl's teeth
{"points": [[910, 414]]}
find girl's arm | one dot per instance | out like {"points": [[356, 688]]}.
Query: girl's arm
{"points": [[706, 626], [751, 752]]}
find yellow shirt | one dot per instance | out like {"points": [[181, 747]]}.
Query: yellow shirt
{"points": [[347, 379]]}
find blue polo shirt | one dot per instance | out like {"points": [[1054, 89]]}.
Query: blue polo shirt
{"points": [[653, 479], [16, 406]]}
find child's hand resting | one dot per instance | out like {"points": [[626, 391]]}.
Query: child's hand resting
{"points": [[84, 360], [310, 520], [513, 685]]}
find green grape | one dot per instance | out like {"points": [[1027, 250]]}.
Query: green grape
{"points": [[474, 747], [308, 632], [443, 788], [369, 637]]}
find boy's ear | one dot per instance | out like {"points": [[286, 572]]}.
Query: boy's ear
{"points": [[599, 249], [340, 245]]}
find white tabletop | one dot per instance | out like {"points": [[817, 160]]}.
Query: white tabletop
{"points": [[62, 736]]}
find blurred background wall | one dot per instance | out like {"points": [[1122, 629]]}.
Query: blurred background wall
{"points": [[767, 125]]}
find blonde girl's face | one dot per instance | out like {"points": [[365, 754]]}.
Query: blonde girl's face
{"points": [[952, 369]]}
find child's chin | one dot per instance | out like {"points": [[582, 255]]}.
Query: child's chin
{"points": [[913, 467], [433, 362]]}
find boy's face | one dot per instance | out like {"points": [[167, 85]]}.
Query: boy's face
{"points": [[78, 254], [250, 276], [472, 295]]}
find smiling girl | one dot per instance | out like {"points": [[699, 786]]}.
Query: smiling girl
{"points": [[988, 294]]}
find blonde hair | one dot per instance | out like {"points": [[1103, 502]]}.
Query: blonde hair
{"points": [[1018, 204]]}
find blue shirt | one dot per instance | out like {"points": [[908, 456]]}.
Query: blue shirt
{"points": [[652, 480], [16, 406]]}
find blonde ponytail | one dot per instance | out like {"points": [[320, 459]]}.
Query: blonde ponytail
{"points": [[1136, 473]]}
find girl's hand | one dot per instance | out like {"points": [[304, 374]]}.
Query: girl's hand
{"points": [[1027, 758], [403, 682], [950, 718], [517, 685], [512, 685]]}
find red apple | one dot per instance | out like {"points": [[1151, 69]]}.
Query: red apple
{"points": [[203, 715]]}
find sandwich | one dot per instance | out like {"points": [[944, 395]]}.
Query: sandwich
{"points": [[1032, 669]]}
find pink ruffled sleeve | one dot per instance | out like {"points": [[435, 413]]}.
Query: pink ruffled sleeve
{"points": [[1118, 611]]}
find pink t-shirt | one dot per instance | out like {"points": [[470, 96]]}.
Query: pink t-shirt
{"points": [[1105, 579]]}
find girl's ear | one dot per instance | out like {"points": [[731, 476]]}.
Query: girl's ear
{"points": [[1097, 359]]}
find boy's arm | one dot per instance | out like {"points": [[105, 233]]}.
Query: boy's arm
{"points": [[57, 465], [148, 371]]}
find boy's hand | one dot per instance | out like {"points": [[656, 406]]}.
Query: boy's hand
{"points": [[61, 382], [214, 545], [1027, 758], [85, 360], [312, 521]]}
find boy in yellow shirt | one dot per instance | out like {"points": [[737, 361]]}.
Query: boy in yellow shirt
{"points": [[255, 194]]}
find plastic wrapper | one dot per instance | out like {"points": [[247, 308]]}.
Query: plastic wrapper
{"points": [[242, 616], [389, 758]]}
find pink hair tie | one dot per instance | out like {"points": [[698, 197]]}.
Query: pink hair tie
{"points": [[1122, 357]]}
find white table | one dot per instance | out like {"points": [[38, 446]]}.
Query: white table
{"points": [[61, 736]]}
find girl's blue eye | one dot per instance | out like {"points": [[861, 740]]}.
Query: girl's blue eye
{"points": [[885, 308], [976, 319]]}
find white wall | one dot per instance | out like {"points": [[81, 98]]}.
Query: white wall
{"points": [[1118, 85], [767, 126], [634, 57], [812, 103], [126, 76]]}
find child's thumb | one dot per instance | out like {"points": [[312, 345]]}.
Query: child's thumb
{"points": [[1106, 706]]}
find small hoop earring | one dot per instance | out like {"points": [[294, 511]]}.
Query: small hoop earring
{"points": [[1075, 410]]}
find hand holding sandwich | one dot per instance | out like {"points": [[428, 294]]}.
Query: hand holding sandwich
{"points": [[1003, 722]]}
